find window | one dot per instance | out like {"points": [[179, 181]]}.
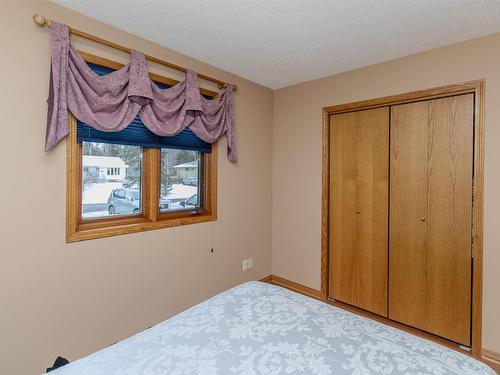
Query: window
{"points": [[178, 183], [104, 194], [132, 180]]}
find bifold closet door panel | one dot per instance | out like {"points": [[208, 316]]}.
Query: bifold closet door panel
{"points": [[449, 221], [358, 267], [373, 209], [430, 216], [408, 205], [343, 203]]}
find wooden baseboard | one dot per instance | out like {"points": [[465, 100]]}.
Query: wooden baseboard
{"points": [[267, 279], [296, 287], [492, 358], [490, 355]]}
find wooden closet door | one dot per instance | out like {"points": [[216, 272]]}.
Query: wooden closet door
{"points": [[430, 263], [408, 205], [449, 221], [360, 158], [373, 209], [343, 269]]}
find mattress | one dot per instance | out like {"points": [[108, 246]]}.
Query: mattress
{"points": [[258, 328]]}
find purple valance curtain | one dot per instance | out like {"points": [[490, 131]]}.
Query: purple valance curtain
{"points": [[111, 102]]}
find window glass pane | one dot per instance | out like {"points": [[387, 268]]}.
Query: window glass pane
{"points": [[111, 180], [180, 180]]}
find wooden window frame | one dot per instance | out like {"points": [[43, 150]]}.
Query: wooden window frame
{"points": [[473, 87], [150, 217]]}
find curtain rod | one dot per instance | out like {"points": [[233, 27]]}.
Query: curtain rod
{"points": [[41, 21]]}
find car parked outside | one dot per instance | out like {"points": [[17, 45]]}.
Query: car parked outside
{"points": [[165, 204], [124, 201], [192, 201], [190, 181]]}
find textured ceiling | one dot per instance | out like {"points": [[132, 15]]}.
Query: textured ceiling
{"points": [[284, 42]]}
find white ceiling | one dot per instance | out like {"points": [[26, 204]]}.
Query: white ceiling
{"points": [[278, 43]]}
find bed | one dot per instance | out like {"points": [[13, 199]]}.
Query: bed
{"points": [[258, 328]]}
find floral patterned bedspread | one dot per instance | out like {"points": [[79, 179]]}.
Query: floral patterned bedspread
{"points": [[257, 328]]}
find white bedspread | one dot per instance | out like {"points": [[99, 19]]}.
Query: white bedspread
{"points": [[257, 328]]}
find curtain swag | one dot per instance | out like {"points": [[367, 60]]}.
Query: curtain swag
{"points": [[111, 102]]}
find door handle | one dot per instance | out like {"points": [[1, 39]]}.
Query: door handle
{"points": [[358, 211], [422, 219]]}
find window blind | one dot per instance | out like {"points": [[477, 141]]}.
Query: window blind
{"points": [[136, 134]]}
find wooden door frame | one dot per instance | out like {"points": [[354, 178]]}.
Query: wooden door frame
{"points": [[478, 89]]}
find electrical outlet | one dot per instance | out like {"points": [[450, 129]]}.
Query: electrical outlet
{"points": [[247, 264]]}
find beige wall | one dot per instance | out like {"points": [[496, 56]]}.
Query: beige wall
{"points": [[297, 141], [74, 299]]}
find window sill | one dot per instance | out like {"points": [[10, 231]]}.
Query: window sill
{"points": [[88, 231]]}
